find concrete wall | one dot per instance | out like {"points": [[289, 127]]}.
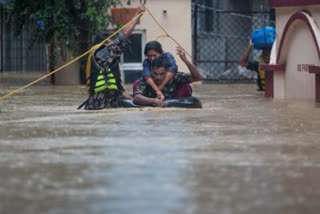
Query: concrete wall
{"points": [[69, 75], [176, 21], [229, 36], [299, 49], [284, 13]]}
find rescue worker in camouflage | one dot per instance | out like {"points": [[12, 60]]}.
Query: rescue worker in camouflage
{"points": [[102, 69]]}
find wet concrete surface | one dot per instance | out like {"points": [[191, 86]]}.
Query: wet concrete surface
{"points": [[240, 154]]}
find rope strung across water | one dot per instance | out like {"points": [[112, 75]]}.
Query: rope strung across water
{"points": [[96, 47], [174, 40], [72, 61]]}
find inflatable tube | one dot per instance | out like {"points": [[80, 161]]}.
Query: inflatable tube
{"points": [[185, 102]]}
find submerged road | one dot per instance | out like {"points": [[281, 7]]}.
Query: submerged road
{"points": [[240, 154]]}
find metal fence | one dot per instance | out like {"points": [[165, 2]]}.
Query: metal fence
{"points": [[15, 51], [220, 37]]}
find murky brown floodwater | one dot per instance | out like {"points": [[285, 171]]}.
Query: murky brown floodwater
{"points": [[240, 154]]}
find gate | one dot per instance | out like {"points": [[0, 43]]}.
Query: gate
{"points": [[16, 53], [221, 36]]}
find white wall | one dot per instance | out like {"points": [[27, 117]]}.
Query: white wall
{"points": [[284, 13], [176, 21], [299, 48]]}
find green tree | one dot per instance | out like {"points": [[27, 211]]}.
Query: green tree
{"points": [[61, 23]]}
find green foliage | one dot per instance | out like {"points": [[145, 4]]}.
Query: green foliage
{"points": [[60, 23], [58, 20]]}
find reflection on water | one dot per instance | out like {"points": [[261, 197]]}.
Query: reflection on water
{"points": [[241, 153]]}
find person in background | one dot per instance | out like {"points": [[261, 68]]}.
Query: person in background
{"points": [[255, 65], [261, 39]]}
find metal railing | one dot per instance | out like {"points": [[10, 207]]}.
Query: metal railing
{"points": [[16, 54], [220, 37]]}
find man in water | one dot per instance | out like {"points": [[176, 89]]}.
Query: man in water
{"points": [[145, 94], [152, 50]]}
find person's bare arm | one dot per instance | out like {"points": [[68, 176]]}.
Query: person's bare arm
{"points": [[195, 75], [168, 77], [125, 95], [129, 29], [245, 56], [172, 70], [142, 100], [155, 88]]}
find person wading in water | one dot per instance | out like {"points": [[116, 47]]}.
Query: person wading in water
{"points": [[102, 70]]}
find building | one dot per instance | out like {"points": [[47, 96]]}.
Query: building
{"points": [[221, 31], [175, 17], [294, 70], [214, 32]]}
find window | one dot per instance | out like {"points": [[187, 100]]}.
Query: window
{"points": [[134, 54], [131, 60]]}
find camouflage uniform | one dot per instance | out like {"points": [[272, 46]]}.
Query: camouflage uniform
{"points": [[169, 89], [105, 61]]}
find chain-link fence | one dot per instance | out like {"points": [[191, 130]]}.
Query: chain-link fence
{"points": [[220, 37], [15, 52]]}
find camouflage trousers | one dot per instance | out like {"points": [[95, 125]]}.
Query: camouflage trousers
{"points": [[107, 98]]}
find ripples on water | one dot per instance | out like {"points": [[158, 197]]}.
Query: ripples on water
{"points": [[241, 153]]}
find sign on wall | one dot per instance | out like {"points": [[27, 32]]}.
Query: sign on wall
{"points": [[121, 16]]}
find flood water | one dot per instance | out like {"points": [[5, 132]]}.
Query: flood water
{"points": [[240, 154]]}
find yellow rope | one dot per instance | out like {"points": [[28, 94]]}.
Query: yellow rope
{"points": [[72, 61], [159, 38], [168, 35], [96, 47]]}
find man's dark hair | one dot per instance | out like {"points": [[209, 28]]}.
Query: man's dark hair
{"points": [[153, 45], [160, 62]]}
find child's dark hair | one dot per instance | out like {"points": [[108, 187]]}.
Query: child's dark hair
{"points": [[153, 45], [160, 62]]}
